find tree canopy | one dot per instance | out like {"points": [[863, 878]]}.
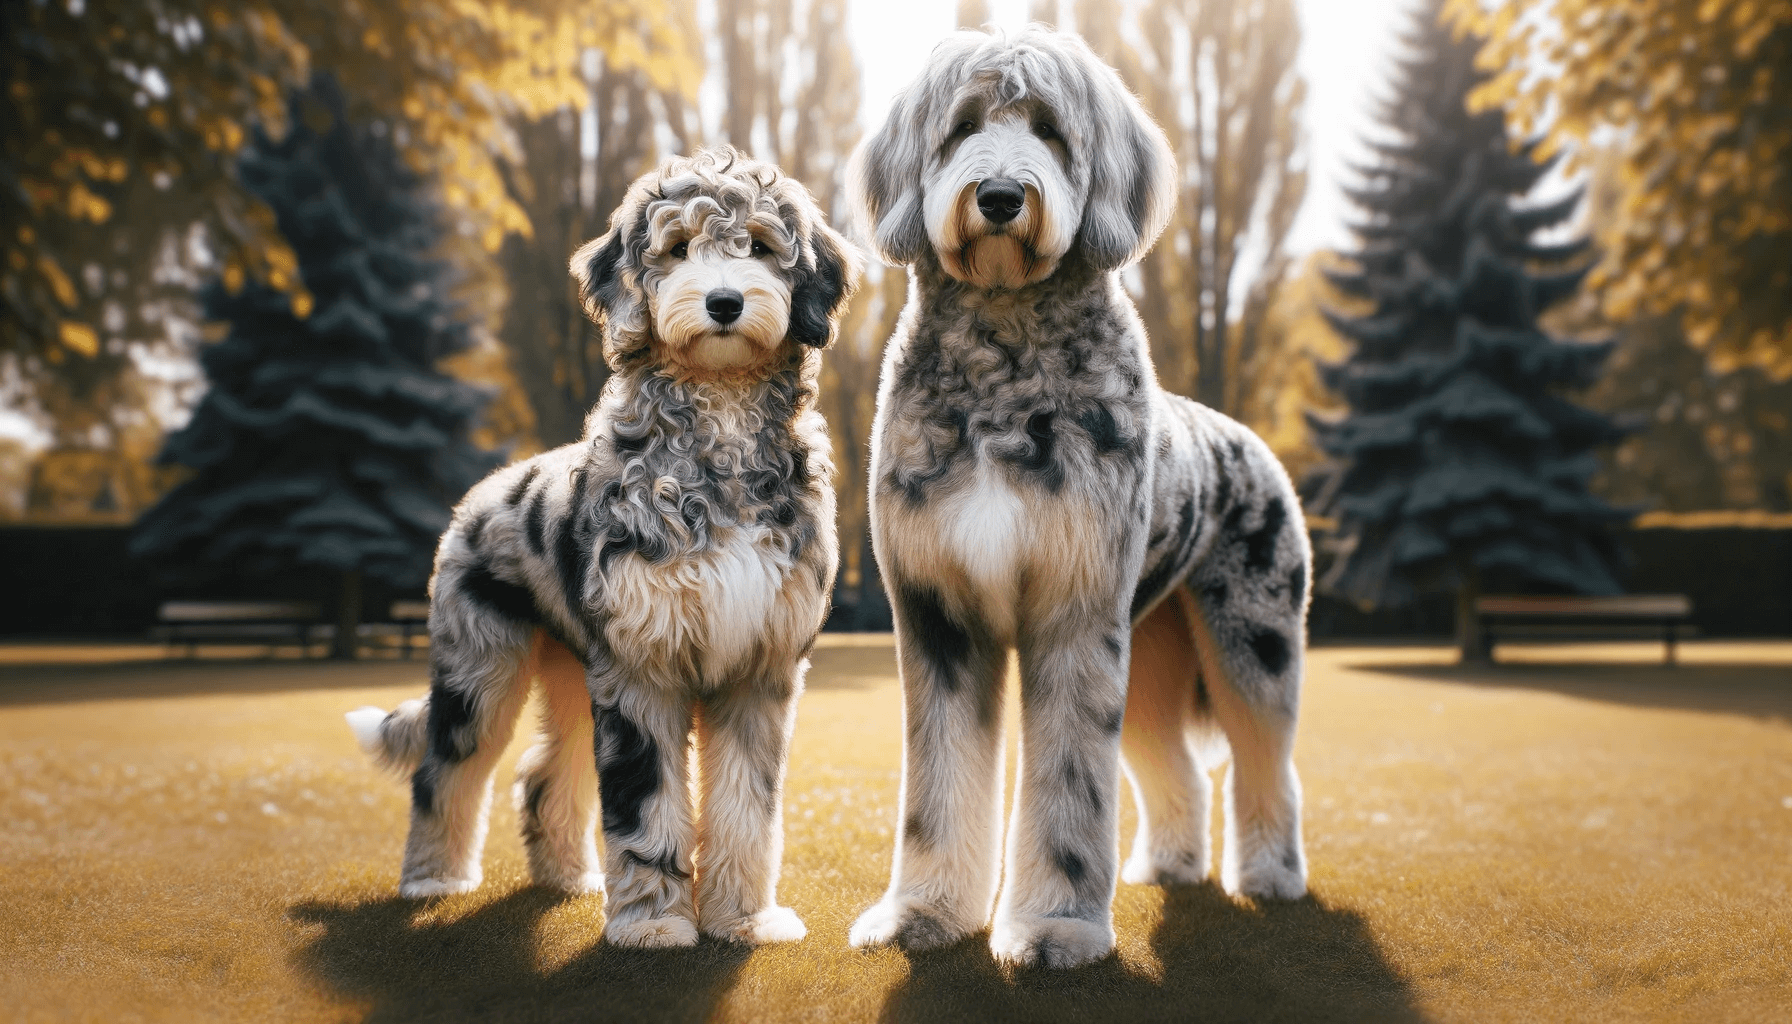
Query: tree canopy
{"points": [[100, 96], [1700, 93]]}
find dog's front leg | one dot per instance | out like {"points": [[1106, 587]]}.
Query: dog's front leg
{"points": [[743, 736], [943, 878], [1063, 840], [643, 732]]}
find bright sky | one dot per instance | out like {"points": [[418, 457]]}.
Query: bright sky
{"points": [[1343, 46]]}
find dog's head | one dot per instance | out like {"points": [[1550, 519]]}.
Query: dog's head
{"points": [[1006, 155], [711, 265]]}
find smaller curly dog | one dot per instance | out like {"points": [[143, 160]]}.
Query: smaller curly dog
{"points": [[668, 572]]}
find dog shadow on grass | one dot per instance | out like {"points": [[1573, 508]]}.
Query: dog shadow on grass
{"points": [[407, 965], [1218, 960]]}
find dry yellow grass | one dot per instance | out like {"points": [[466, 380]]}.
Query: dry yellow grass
{"points": [[201, 840]]}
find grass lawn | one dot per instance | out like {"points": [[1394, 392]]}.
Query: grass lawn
{"points": [[1586, 836]]}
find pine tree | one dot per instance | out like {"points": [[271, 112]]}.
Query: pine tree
{"points": [[330, 441], [1459, 463]]}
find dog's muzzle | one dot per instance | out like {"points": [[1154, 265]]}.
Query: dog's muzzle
{"points": [[724, 305], [1000, 199]]}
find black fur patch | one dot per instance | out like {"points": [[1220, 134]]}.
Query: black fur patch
{"points": [[1271, 649], [504, 599], [1075, 777], [915, 831], [666, 864], [1260, 547], [1039, 458], [1071, 865], [475, 531], [521, 487], [814, 294], [572, 553], [628, 769], [450, 713], [1216, 593], [1297, 586], [533, 521], [943, 642], [1104, 433], [1164, 572], [1112, 643]]}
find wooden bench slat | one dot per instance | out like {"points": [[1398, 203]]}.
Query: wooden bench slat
{"points": [[236, 611], [409, 610], [1627, 606]]}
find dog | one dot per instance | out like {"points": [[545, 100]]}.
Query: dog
{"points": [[1034, 489], [666, 573]]}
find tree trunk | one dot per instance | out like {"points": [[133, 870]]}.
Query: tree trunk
{"points": [[347, 644], [1473, 644]]}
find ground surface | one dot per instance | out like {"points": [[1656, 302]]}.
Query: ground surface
{"points": [[1600, 842]]}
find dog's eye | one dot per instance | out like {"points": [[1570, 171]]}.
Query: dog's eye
{"points": [[1047, 133], [680, 251], [760, 248], [964, 128]]}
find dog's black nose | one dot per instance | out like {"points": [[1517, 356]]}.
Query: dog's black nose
{"points": [[724, 305], [1000, 199]]}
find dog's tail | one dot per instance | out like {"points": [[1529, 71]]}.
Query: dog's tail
{"points": [[396, 741]]}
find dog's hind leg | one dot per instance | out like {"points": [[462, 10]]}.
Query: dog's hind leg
{"points": [[1249, 631], [743, 735], [643, 732], [556, 779], [944, 874], [1170, 786], [479, 679]]}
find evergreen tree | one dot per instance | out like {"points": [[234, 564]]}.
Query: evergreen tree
{"points": [[1459, 464], [329, 441]]}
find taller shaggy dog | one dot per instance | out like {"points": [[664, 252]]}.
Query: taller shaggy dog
{"points": [[669, 570], [1034, 488]]}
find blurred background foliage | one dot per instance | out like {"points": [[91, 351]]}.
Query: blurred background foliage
{"points": [[121, 199]]}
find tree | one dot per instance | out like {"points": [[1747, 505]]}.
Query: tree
{"points": [[1459, 464], [573, 166], [329, 442], [802, 113], [1701, 94], [167, 92], [1219, 77]]}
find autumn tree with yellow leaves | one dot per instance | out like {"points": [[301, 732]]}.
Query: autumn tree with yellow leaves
{"points": [[100, 97], [1700, 95]]}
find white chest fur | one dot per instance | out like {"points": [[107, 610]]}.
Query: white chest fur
{"points": [[717, 604]]}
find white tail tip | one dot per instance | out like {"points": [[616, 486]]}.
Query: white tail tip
{"points": [[365, 724]]}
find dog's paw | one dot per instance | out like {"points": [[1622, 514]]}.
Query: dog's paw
{"points": [[904, 922], [669, 932], [1164, 871], [424, 888], [775, 924], [1283, 878], [1056, 942]]}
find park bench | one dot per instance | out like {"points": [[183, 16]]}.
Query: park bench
{"points": [[270, 623], [1582, 618], [411, 617]]}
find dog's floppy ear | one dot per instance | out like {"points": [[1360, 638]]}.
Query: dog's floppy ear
{"points": [[883, 179], [610, 289], [883, 182], [819, 292], [1132, 173]]}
